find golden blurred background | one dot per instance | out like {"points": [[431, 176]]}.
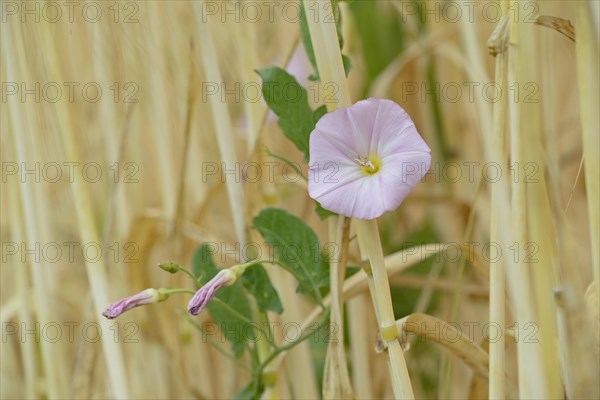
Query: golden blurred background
{"points": [[109, 149]]}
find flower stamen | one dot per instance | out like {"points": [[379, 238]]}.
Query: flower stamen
{"points": [[370, 165], [365, 162]]}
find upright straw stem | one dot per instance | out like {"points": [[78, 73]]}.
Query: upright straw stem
{"points": [[336, 379], [497, 366], [28, 356], [88, 231], [331, 70], [368, 232], [586, 47], [222, 123], [539, 375]]}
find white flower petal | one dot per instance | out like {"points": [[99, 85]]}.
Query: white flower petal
{"points": [[371, 127]]}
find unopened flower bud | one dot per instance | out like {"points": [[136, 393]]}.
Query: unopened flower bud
{"points": [[147, 296], [204, 295], [170, 267]]}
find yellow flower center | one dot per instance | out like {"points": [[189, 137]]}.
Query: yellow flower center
{"points": [[368, 165]]}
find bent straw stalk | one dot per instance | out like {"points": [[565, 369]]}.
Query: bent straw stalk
{"points": [[453, 339], [358, 283]]}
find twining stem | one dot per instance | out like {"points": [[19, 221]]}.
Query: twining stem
{"points": [[270, 364], [176, 291], [243, 318], [191, 275], [215, 343], [291, 344]]}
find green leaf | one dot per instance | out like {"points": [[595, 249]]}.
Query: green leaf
{"points": [[289, 102], [319, 112], [252, 390], [257, 282], [380, 35], [199, 260], [232, 313], [308, 47], [307, 41], [295, 247], [347, 63], [321, 212]]}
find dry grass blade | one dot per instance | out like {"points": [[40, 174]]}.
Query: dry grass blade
{"points": [[88, 232], [222, 125], [560, 25]]}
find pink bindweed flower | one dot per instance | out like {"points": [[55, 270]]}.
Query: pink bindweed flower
{"points": [[204, 295], [365, 159], [147, 296]]}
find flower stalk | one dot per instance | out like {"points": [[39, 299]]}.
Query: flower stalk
{"points": [[147, 296]]}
